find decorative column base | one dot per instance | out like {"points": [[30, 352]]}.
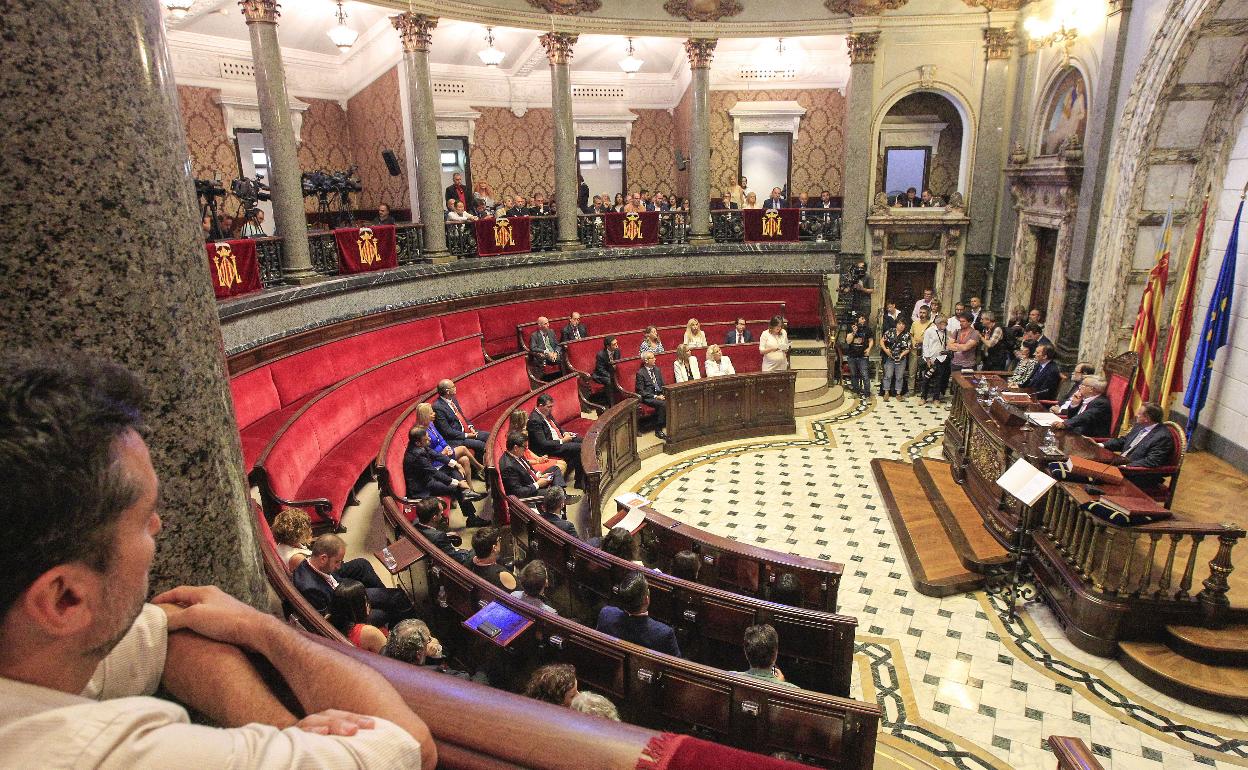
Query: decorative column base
{"points": [[572, 245], [700, 239], [440, 257], [301, 276]]}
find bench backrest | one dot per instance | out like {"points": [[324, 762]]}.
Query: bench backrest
{"points": [[745, 358], [629, 319], [582, 354]]}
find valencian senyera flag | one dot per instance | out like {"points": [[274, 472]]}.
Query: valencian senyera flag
{"points": [[1215, 333], [1181, 321], [1144, 334]]}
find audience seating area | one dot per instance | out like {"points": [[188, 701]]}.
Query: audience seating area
{"points": [[745, 358], [670, 315]]}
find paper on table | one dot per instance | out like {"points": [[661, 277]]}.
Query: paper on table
{"points": [[1025, 482], [630, 500], [633, 520], [1043, 419]]}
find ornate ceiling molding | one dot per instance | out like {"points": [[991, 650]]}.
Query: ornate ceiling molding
{"points": [[862, 47], [702, 10], [766, 118], [863, 7], [997, 5], [567, 7]]}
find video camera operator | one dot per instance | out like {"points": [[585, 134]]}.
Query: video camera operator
{"points": [[253, 226], [857, 288]]}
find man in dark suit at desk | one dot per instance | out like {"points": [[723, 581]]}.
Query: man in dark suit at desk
{"points": [[575, 330], [738, 334], [631, 620], [726, 204], [520, 478], [547, 438], [1147, 445], [649, 386], [1089, 412], [316, 579], [1044, 380], [453, 425], [605, 361], [776, 201]]}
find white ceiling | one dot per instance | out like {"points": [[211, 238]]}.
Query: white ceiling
{"points": [[304, 24]]}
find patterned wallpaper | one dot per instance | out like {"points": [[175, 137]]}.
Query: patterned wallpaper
{"points": [[942, 177], [374, 123], [682, 122], [818, 153], [651, 157], [514, 155], [212, 152], [326, 142]]}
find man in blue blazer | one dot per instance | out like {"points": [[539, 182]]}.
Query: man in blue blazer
{"points": [[1147, 445], [738, 334], [776, 201], [1090, 412], [631, 620], [1044, 380], [453, 424]]}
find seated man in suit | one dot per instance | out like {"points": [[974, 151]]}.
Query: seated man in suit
{"points": [[725, 203], [649, 386], [605, 361], [1068, 391], [1090, 412], [738, 334], [575, 330], [520, 478], [543, 347], [1147, 445], [425, 477], [317, 576], [631, 620], [1044, 380], [547, 438], [431, 521], [553, 509], [453, 425], [776, 201]]}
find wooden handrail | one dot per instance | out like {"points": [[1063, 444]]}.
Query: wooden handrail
{"points": [[1073, 754]]}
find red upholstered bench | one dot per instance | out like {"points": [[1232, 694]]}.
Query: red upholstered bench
{"points": [[745, 358], [611, 321], [486, 393], [317, 457]]}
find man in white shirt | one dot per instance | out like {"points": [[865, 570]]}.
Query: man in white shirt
{"points": [[925, 302], [81, 652]]}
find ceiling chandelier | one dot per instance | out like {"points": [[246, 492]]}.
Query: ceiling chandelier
{"points": [[631, 64], [342, 35], [490, 56], [178, 8]]}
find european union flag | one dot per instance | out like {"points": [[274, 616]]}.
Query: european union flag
{"points": [[1217, 325]]}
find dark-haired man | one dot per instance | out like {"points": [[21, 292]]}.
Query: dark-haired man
{"points": [[317, 576], [605, 361], [486, 547], [431, 521], [80, 650], [1045, 378], [427, 477], [519, 477], [553, 509], [762, 646], [547, 438], [631, 620], [738, 334]]}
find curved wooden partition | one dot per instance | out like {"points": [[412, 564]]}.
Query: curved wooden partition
{"points": [[728, 408], [816, 647], [608, 456], [650, 689]]}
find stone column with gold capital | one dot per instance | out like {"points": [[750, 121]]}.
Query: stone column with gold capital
{"points": [[559, 51], [991, 139], [858, 142], [700, 52], [286, 186], [416, 31]]}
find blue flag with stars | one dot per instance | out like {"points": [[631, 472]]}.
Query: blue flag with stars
{"points": [[1217, 326]]}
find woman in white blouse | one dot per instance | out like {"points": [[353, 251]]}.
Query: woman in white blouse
{"points": [[774, 345], [694, 336], [685, 367], [718, 364], [751, 201]]}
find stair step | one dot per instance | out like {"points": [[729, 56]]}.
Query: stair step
{"points": [[935, 566], [1218, 688], [1217, 646], [976, 547]]}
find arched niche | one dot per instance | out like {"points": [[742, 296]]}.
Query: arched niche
{"points": [[1063, 118], [935, 122]]}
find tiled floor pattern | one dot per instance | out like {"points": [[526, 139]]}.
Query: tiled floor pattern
{"points": [[955, 675]]}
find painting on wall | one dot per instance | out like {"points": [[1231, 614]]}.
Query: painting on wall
{"points": [[1068, 113]]}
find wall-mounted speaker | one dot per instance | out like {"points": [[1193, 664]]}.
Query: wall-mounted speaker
{"points": [[682, 162], [392, 162]]}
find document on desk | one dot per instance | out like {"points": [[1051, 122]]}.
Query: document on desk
{"points": [[633, 521], [1025, 482], [1043, 419], [630, 500]]}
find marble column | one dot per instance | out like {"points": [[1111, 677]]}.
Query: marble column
{"points": [[104, 255], [559, 51], [990, 140], [285, 183], [416, 31], [700, 52], [858, 142]]}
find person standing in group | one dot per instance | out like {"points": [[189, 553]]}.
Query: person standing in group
{"points": [[895, 354], [965, 344], [992, 343], [935, 372], [859, 341], [773, 344], [915, 366]]}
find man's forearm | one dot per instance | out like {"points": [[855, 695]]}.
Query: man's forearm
{"points": [[218, 681], [323, 679]]}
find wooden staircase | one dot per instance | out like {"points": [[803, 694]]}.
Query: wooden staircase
{"points": [[1206, 667], [941, 534]]}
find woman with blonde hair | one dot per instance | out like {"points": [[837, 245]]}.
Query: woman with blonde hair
{"points": [[461, 456], [519, 421], [718, 364], [694, 336], [685, 367], [751, 201]]}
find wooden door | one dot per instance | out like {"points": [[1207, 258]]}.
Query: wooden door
{"points": [[1046, 251], [905, 283]]}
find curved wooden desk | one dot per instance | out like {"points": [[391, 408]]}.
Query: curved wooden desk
{"points": [[725, 408]]}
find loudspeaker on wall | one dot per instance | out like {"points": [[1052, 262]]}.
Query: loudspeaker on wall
{"points": [[392, 162]]}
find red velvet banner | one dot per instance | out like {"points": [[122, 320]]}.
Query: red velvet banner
{"points": [[365, 249], [640, 229], [771, 226], [233, 267], [505, 235]]}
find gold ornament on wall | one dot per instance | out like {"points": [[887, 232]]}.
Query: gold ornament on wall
{"points": [[862, 7], [702, 10], [567, 7], [997, 5], [862, 46]]}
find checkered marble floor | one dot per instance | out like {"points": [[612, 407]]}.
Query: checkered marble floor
{"points": [[956, 676]]}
